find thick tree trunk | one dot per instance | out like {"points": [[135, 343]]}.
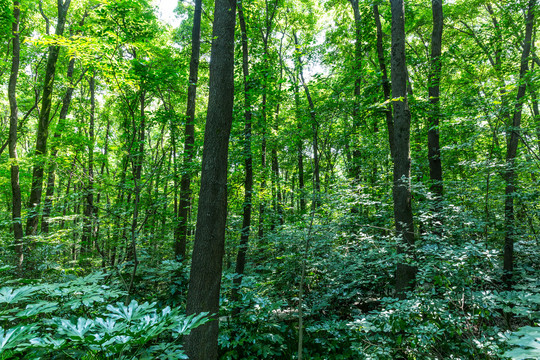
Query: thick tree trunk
{"points": [[248, 162], [43, 125], [405, 273], [511, 153], [16, 201], [189, 143], [434, 148], [209, 245]]}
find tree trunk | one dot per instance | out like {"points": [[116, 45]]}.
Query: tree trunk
{"points": [[300, 155], [405, 273], [248, 163], [434, 148], [51, 178], [43, 124], [86, 239], [512, 146], [209, 245], [314, 125], [16, 202], [189, 150], [356, 155], [384, 80]]}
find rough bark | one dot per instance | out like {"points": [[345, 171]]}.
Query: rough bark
{"points": [[434, 79], [405, 273], [209, 245], [511, 153], [16, 201], [189, 142], [43, 124]]}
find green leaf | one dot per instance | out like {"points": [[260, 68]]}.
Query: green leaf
{"points": [[15, 337], [13, 296]]}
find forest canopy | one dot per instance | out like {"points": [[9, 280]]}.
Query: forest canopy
{"points": [[269, 179]]}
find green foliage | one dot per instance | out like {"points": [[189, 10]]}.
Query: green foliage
{"points": [[44, 327], [526, 342]]}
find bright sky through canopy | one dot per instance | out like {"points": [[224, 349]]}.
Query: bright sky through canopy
{"points": [[166, 11]]}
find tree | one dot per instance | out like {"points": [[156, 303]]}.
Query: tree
{"points": [[43, 123], [16, 201], [434, 79], [209, 245], [403, 217], [511, 152], [248, 160], [189, 144]]}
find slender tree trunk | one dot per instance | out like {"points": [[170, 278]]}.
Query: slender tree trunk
{"points": [[86, 239], [300, 155], [51, 178], [248, 162], [262, 192], [16, 202], [209, 245], [138, 160], [384, 80], [511, 153], [356, 155], [43, 124], [405, 273], [189, 149], [314, 124], [434, 148]]}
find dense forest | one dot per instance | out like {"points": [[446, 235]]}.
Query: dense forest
{"points": [[269, 179]]}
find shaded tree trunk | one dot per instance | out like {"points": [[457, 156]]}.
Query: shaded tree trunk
{"points": [[43, 125], [511, 153], [51, 178], [86, 239], [384, 80], [209, 245], [248, 163], [356, 166], [314, 124], [405, 272], [16, 200], [434, 148], [189, 143]]}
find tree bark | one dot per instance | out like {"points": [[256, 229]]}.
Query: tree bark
{"points": [[43, 124], [189, 142], [16, 200], [405, 273], [434, 148], [511, 153], [209, 245]]}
